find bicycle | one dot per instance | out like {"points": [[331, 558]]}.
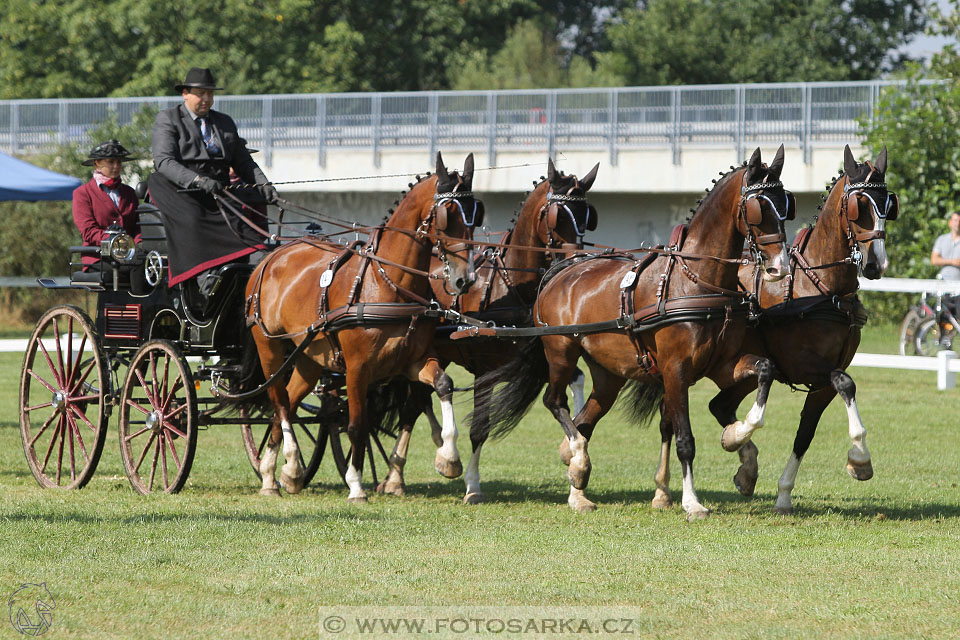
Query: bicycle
{"points": [[928, 328]]}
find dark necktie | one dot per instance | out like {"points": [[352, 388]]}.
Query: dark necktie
{"points": [[207, 134]]}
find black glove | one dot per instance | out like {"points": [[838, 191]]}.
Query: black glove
{"points": [[269, 192], [208, 185]]}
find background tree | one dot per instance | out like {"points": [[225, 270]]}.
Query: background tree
{"points": [[726, 41]]}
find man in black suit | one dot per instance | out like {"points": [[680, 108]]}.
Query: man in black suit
{"points": [[194, 148]]}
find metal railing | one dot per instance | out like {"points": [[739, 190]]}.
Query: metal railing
{"points": [[800, 114]]}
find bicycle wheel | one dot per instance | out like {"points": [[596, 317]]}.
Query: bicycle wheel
{"points": [[908, 331], [928, 339]]}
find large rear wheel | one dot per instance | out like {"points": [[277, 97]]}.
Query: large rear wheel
{"points": [[158, 419], [64, 399], [311, 437]]}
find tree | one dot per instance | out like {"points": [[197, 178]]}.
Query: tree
{"points": [[728, 41]]}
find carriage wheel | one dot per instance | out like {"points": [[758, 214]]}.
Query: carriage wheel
{"points": [[378, 449], [158, 419], [908, 332], [64, 397], [311, 437]]}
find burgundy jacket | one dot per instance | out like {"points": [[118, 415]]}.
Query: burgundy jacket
{"points": [[94, 211]]}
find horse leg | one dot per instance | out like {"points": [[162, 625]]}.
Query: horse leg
{"points": [[723, 406], [416, 403], [736, 434], [858, 457], [291, 474], [447, 461], [478, 436], [661, 498], [357, 430], [576, 388], [271, 357], [677, 411], [813, 408]]}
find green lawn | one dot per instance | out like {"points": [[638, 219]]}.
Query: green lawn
{"points": [[876, 559]]}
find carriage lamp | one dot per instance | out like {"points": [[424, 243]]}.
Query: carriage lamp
{"points": [[119, 247]]}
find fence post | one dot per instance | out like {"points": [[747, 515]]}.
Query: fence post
{"points": [[62, 118], [741, 127], [434, 107], [492, 128], [551, 123], [807, 133], [14, 127], [614, 124], [675, 116], [375, 122], [321, 118], [946, 379]]}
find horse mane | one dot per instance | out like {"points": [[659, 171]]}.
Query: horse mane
{"points": [[403, 194], [724, 176]]}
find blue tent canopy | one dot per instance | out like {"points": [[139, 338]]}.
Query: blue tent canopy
{"points": [[21, 180]]}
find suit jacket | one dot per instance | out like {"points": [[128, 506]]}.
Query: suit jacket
{"points": [[180, 155], [94, 211]]}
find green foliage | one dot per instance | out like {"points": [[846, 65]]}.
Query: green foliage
{"points": [[726, 41]]}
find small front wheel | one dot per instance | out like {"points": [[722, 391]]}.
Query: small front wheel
{"points": [[158, 419]]}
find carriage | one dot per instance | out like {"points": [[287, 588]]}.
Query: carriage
{"points": [[155, 355]]}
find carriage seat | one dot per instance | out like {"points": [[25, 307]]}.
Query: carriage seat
{"points": [[232, 281]]}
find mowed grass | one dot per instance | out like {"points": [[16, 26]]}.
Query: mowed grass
{"points": [[875, 559]]}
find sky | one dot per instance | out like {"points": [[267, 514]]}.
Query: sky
{"points": [[925, 46]]}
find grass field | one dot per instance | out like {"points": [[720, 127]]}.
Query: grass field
{"points": [[879, 559]]}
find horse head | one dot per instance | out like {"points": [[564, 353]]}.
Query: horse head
{"points": [[763, 209], [864, 208], [454, 216], [565, 214]]}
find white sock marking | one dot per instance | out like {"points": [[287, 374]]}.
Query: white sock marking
{"points": [[858, 435], [472, 476], [353, 482], [448, 450], [786, 483]]}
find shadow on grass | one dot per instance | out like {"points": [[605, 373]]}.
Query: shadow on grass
{"points": [[226, 518]]}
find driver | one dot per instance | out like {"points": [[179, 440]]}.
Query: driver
{"points": [[194, 148], [105, 201]]}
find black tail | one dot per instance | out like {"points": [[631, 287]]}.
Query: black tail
{"points": [[641, 401], [523, 380], [386, 400], [251, 376]]}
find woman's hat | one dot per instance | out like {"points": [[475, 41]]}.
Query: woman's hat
{"points": [[108, 149], [198, 78]]}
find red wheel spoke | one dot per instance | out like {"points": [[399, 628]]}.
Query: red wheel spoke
{"points": [[153, 467], [146, 389], [68, 363], [56, 334], [134, 435], [75, 387], [173, 450], [174, 429], [39, 406], [43, 428], [135, 405], [90, 398], [177, 384], [53, 367], [37, 377], [79, 359], [63, 437], [53, 441], [175, 412], [79, 413], [166, 380], [73, 465], [163, 456], [143, 454], [83, 449]]}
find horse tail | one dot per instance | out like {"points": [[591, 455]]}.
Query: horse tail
{"points": [[523, 380], [385, 401], [251, 376], [641, 401]]}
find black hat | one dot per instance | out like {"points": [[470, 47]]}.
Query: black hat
{"points": [[108, 149], [198, 78]]}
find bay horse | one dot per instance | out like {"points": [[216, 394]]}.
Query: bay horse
{"points": [[677, 315], [810, 327], [370, 328], [552, 221]]}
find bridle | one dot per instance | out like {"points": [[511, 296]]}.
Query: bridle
{"points": [[850, 211], [750, 214], [442, 202], [557, 202]]}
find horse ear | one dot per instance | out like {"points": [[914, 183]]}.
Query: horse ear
{"points": [[468, 170], [551, 170], [587, 181], [773, 171], [441, 168], [849, 162], [881, 163], [753, 166]]}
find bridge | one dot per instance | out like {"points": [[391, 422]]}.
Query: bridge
{"points": [[658, 147]]}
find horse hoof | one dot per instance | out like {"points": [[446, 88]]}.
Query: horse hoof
{"points": [[564, 451], [860, 471], [699, 513], [661, 500], [357, 500], [579, 476], [447, 468], [783, 511], [745, 483], [392, 488], [474, 498], [729, 440], [582, 505], [270, 493], [291, 485]]}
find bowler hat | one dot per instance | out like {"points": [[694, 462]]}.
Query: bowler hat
{"points": [[108, 149], [198, 78]]}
